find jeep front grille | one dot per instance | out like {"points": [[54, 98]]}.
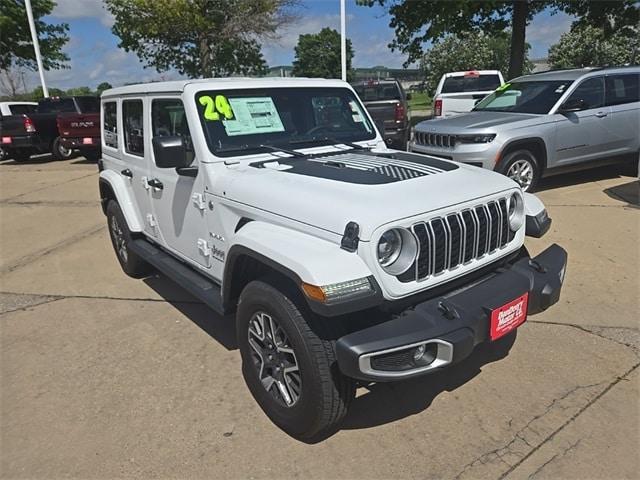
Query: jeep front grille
{"points": [[455, 239], [435, 139]]}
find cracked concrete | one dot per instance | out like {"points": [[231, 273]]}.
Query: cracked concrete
{"points": [[104, 376]]}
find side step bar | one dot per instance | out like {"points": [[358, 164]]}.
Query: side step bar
{"points": [[193, 282]]}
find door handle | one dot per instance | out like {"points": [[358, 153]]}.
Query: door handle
{"points": [[127, 173], [601, 114], [156, 184]]}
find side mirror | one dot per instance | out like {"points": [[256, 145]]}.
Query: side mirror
{"points": [[170, 152], [408, 96], [572, 105]]}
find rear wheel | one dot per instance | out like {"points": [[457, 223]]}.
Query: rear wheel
{"points": [[289, 365], [121, 238], [523, 167], [59, 151]]}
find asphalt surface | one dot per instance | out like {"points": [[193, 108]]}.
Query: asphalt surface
{"points": [[103, 376]]}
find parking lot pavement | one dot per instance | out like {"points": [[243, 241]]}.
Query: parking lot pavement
{"points": [[103, 376]]}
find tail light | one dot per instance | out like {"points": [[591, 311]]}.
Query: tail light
{"points": [[28, 125], [437, 108], [399, 113]]}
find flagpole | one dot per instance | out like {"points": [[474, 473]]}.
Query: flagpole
{"points": [[36, 46], [343, 40]]}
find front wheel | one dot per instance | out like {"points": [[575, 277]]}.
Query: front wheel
{"points": [[288, 365], [522, 167], [121, 238]]}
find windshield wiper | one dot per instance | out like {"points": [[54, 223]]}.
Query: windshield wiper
{"points": [[275, 148], [332, 140]]}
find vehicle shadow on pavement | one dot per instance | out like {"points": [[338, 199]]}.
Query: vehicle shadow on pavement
{"points": [[627, 192], [387, 402], [618, 170], [221, 329]]}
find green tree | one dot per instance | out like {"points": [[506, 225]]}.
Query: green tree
{"points": [[53, 92], [417, 22], [199, 38], [103, 86], [467, 51], [16, 47], [587, 46], [79, 91], [318, 55]]}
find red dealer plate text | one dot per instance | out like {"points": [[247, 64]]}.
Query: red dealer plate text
{"points": [[508, 317]]}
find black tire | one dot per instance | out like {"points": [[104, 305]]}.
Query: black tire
{"points": [[121, 237], [510, 165], [3, 154], [324, 393], [59, 152]]}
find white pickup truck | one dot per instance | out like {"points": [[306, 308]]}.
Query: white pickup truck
{"points": [[458, 92]]}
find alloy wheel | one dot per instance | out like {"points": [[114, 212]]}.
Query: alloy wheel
{"points": [[522, 172], [274, 359], [119, 239]]}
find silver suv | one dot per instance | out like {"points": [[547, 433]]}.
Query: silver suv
{"points": [[543, 124]]}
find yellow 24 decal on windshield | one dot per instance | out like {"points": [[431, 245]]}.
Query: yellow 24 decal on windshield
{"points": [[214, 108]]}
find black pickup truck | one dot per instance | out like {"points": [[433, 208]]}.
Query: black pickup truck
{"points": [[386, 102], [32, 133]]}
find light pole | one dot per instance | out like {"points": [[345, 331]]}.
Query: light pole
{"points": [[343, 40], [36, 47]]}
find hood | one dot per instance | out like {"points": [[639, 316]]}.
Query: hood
{"points": [[371, 189], [474, 121]]}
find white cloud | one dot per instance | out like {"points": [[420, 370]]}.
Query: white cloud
{"points": [[544, 31], [69, 9]]}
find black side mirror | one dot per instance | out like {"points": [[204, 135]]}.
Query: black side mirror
{"points": [[572, 105], [170, 152]]}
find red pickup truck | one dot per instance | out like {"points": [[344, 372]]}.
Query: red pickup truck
{"points": [[81, 131]]}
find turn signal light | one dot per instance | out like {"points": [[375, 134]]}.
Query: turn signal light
{"points": [[28, 125]]}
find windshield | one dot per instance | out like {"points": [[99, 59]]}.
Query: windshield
{"points": [[478, 83], [242, 122], [525, 97], [378, 91], [88, 104]]}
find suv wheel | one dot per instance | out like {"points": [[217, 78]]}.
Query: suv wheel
{"points": [[522, 167], [59, 151], [121, 237], [290, 370]]}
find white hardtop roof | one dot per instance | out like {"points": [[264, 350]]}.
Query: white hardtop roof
{"points": [[19, 103], [467, 72], [222, 83]]}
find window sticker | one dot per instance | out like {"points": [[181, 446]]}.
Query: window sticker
{"points": [[252, 115], [502, 88], [561, 88]]}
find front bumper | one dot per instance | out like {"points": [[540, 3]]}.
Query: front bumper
{"points": [[453, 324]]}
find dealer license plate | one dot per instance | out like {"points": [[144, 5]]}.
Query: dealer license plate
{"points": [[508, 317]]}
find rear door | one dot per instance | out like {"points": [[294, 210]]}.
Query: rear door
{"points": [[622, 95], [584, 135]]}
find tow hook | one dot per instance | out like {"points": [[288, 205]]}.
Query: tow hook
{"points": [[448, 311], [536, 266]]}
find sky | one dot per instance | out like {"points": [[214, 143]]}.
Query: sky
{"points": [[95, 56]]}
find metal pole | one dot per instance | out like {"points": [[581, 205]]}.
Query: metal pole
{"points": [[36, 47], [343, 40]]}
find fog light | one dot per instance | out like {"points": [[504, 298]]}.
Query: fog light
{"points": [[419, 352]]}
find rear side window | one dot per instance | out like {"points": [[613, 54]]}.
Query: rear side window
{"points": [[133, 127], [381, 91], [591, 91], [168, 119], [21, 109], [472, 83], [110, 124], [622, 89], [57, 105], [88, 104]]}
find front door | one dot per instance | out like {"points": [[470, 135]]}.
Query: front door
{"points": [[582, 135], [178, 200]]}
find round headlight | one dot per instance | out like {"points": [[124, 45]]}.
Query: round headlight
{"points": [[516, 212], [397, 250]]}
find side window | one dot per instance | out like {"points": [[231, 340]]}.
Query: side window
{"points": [[110, 124], [591, 91], [624, 88], [133, 128], [168, 119]]}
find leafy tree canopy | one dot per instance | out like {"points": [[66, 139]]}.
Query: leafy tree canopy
{"points": [[103, 86], [80, 91], [417, 22], [587, 46], [199, 38], [467, 51], [318, 55], [16, 46]]}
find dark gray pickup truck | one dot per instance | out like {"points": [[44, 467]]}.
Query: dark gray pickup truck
{"points": [[36, 132], [386, 102]]}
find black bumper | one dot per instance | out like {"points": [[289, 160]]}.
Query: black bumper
{"points": [[457, 321], [78, 143]]}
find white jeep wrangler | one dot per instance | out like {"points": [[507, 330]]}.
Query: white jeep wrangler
{"points": [[343, 261]]}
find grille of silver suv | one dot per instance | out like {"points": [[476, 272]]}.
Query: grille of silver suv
{"points": [[455, 239], [435, 139]]}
